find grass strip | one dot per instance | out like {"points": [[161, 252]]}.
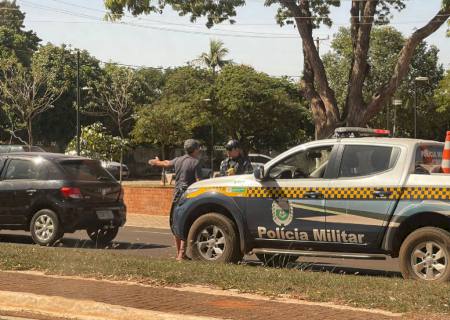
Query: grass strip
{"points": [[393, 294]]}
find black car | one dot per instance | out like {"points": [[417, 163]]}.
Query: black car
{"points": [[52, 194]]}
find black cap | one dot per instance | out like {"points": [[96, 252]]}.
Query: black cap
{"points": [[232, 144]]}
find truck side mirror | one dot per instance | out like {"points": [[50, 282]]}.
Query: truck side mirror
{"points": [[259, 173]]}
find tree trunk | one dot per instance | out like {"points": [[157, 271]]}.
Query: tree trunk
{"points": [[30, 132]]}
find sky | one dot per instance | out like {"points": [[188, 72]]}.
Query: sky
{"points": [[169, 40]]}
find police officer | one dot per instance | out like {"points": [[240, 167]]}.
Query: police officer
{"points": [[236, 162], [187, 171]]}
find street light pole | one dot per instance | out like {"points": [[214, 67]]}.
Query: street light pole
{"points": [[78, 103], [396, 103]]}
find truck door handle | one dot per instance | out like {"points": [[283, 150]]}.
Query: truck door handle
{"points": [[313, 195], [381, 194]]}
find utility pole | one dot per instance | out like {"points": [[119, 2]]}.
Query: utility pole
{"points": [[78, 103], [318, 42]]}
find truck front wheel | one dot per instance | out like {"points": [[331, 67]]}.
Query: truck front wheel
{"points": [[425, 254], [213, 238]]}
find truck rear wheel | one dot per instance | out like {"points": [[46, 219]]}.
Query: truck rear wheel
{"points": [[213, 238], [425, 254]]}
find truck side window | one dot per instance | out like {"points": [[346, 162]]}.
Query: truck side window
{"points": [[364, 160], [309, 163]]}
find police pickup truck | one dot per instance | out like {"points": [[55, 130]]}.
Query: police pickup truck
{"points": [[359, 195]]}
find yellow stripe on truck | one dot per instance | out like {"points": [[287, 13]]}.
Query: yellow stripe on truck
{"points": [[408, 193]]}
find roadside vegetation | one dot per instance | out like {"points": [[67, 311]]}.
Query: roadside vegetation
{"points": [[393, 294]]}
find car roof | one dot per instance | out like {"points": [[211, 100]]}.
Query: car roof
{"points": [[45, 155]]}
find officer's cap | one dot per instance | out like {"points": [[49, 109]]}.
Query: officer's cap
{"points": [[232, 144]]}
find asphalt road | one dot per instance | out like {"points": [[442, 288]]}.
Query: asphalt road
{"points": [[158, 243]]}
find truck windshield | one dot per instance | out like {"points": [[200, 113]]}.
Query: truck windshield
{"points": [[85, 170]]}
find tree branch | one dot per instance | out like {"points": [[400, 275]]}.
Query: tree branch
{"points": [[385, 93], [360, 67], [302, 16]]}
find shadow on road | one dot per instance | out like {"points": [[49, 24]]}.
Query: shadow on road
{"points": [[74, 243], [333, 268]]}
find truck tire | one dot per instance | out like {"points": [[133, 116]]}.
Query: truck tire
{"points": [[102, 237], [276, 260], [213, 238], [45, 228], [425, 255]]}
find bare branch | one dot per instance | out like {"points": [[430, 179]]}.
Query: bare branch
{"points": [[385, 93]]}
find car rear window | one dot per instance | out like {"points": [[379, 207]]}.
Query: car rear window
{"points": [[429, 154], [85, 170]]}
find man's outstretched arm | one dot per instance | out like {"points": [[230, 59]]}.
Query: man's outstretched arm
{"points": [[160, 163]]}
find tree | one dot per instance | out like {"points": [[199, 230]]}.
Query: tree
{"points": [[385, 45], [163, 124], [25, 95], [442, 102], [98, 144], [215, 57], [15, 42], [60, 64], [308, 15], [261, 111]]}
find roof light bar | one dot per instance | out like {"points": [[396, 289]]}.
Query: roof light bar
{"points": [[350, 132]]}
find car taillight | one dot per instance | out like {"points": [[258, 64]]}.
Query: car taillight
{"points": [[71, 193]]}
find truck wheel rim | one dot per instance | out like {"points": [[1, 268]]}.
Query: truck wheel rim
{"points": [[44, 227], [211, 243], [429, 260]]}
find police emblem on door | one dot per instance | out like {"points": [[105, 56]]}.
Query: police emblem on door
{"points": [[282, 212]]}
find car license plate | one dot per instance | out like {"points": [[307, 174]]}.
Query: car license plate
{"points": [[105, 214]]}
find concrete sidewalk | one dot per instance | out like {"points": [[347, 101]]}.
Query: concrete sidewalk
{"points": [[76, 298], [147, 221]]}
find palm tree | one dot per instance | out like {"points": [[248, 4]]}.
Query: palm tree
{"points": [[215, 57]]}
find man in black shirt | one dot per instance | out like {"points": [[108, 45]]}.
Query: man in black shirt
{"points": [[187, 171], [236, 162]]}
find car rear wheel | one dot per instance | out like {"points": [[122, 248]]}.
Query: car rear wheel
{"points": [[276, 260], [103, 236], [425, 255], [213, 238], [45, 228]]}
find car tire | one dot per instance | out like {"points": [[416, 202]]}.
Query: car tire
{"points": [[425, 255], [213, 238], [45, 228], [276, 260], [102, 237]]}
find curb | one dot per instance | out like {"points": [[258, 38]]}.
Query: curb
{"points": [[80, 309]]}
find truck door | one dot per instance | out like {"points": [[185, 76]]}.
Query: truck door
{"points": [[286, 208], [365, 193]]}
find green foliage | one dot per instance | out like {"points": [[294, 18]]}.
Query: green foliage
{"points": [[60, 63], [97, 143], [386, 43], [15, 42], [442, 97], [25, 94], [163, 123], [215, 57], [261, 111]]}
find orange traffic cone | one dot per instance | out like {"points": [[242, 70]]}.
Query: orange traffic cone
{"points": [[446, 155]]}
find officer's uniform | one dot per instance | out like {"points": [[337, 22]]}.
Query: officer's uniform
{"points": [[240, 165]]}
